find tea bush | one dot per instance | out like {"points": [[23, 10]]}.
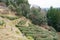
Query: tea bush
{"points": [[9, 17], [37, 33]]}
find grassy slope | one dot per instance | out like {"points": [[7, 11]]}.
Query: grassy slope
{"points": [[10, 32], [37, 32]]}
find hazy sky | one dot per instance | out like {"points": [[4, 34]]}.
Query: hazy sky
{"points": [[45, 3]]}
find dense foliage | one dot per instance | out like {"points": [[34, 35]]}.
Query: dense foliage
{"points": [[37, 16], [53, 16], [22, 7]]}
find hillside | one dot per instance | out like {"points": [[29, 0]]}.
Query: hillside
{"points": [[13, 27]]}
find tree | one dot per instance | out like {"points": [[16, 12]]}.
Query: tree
{"points": [[37, 16], [22, 7], [53, 16]]}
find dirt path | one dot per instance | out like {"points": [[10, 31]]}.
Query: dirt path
{"points": [[58, 35]]}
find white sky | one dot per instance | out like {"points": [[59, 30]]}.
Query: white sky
{"points": [[45, 3]]}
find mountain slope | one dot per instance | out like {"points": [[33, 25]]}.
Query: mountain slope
{"points": [[12, 28], [10, 32]]}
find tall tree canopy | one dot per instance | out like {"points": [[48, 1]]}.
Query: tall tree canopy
{"points": [[53, 16]]}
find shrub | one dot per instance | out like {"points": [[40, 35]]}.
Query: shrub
{"points": [[12, 18], [1, 22], [22, 7], [21, 23]]}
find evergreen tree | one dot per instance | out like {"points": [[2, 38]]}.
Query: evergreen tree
{"points": [[53, 16]]}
